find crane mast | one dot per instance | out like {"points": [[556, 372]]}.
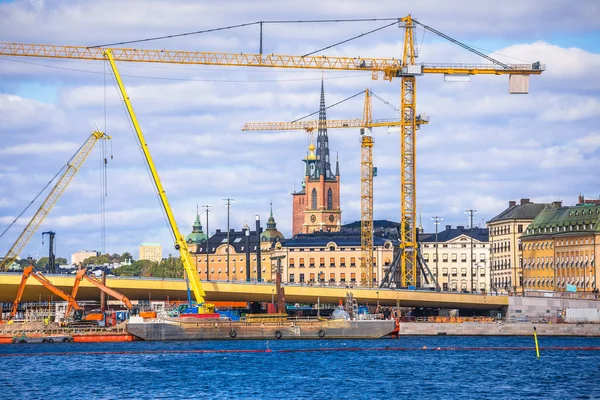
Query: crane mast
{"points": [[180, 243], [366, 195], [71, 169]]}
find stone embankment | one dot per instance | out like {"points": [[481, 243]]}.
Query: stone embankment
{"points": [[497, 329]]}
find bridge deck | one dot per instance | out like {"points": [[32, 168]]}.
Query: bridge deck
{"points": [[175, 289]]}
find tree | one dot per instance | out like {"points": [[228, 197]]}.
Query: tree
{"points": [[61, 261], [126, 256], [41, 263]]}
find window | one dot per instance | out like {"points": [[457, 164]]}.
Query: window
{"points": [[353, 261], [332, 277], [426, 257], [291, 278], [463, 257], [292, 263], [453, 271], [329, 200], [311, 262], [322, 262], [343, 277], [520, 228], [353, 277], [301, 278], [312, 277], [463, 272], [444, 271], [332, 262], [314, 199], [454, 257], [482, 257], [445, 257], [342, 261], [301, 262]]}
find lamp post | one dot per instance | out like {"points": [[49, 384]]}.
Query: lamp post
{"points": [[228, 202], [207, 207], [470, 212], [436, 221], [377, 300]]}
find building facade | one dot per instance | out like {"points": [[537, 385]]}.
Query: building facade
{"points": [[316, 207], [505, 231], [242, 263], [77, 258], [561, 249], [151, 251], [331, 258], [459, 258]]}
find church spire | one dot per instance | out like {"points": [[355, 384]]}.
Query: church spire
{"points": [[337, 164], [323, 162]]}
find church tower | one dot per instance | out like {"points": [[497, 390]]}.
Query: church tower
{"points": [[316, 207]]}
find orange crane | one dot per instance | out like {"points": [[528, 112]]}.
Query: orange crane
{"points": [[38, 276], [81, 275], [404, 67], [367, 172]]}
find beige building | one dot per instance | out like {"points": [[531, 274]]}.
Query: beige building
{"points": [[151, 251], [561, 249], [331, 258], [454, 269], [77, 258], [506, 256]]}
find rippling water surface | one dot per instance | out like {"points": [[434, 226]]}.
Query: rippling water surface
{"points": [[424, 368]]}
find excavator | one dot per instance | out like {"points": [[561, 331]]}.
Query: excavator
{"points": [[81, 275], [38, 276]]}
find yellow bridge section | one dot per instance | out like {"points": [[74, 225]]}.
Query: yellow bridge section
{"points": [[175, 289]]}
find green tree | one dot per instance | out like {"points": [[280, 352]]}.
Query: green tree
{"points": [[126, 256], [61, 261], [41, 263]]}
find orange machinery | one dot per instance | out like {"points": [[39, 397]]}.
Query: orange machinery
{"points": [[27, 272], [81, 275]]}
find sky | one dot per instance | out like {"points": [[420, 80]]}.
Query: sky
{"points": [[482, 147]]}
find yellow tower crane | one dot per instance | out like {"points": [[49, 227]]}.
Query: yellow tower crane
{"points": [[404, 67], [367, 172], [70, 169]]}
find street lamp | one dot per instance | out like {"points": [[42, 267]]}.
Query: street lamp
{"points": [[377, 300], [228, 202], [207, 207], [436, 221], [470, 212]]}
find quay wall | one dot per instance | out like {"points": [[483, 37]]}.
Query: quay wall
{"points": [[545, 307], [496, 329]]}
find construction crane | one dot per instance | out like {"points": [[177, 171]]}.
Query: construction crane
{"points": [[38, 276], [367, 171], [51, 257], [201, 308], [81, 275], [70, 169], [404, 274]]}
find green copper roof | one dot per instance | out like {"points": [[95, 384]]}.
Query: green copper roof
{"points": [[271, 233], [197, 236], [580, 218]]}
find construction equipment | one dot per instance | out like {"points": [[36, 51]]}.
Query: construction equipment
{"points": [[51, 257], [70, 169], [201, 308], [405, 67], [81, 275], [367, 171], [30, 272]]}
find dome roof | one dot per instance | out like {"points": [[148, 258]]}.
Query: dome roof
{"points": [[271, 234], [197, 236]]}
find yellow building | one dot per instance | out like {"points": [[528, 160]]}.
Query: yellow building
{"points": [[77, 258], [331, 258], [561, 249], [506, 256], [151, 251], [242, 263]]}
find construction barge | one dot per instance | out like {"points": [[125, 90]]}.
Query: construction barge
{"points": [[264, 327]]}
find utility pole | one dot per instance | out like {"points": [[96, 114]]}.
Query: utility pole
{"points": [[470, 212], [228, 202], [436, 221], [207, 207]]}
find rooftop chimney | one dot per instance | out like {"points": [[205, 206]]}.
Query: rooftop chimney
{"points": [[558, 204], [448, 227], [512, 203], [524, 201], [460, 227]]}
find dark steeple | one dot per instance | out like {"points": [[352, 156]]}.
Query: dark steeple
{"points": [[323, 162], [337, 164]]}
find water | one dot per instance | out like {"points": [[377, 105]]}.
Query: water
{"points": [[64, 371]]}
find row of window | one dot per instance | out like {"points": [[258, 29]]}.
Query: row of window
{"points": [[463, 257], [231, 259], [504, 230], [454, 245], [333, 277], [556, 229], [579, 281], [463, 272], [224, 270]]}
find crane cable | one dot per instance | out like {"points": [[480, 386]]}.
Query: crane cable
{"points": [[333, 105]]}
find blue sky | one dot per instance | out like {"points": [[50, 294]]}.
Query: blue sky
{"points": [[482, 148]]}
